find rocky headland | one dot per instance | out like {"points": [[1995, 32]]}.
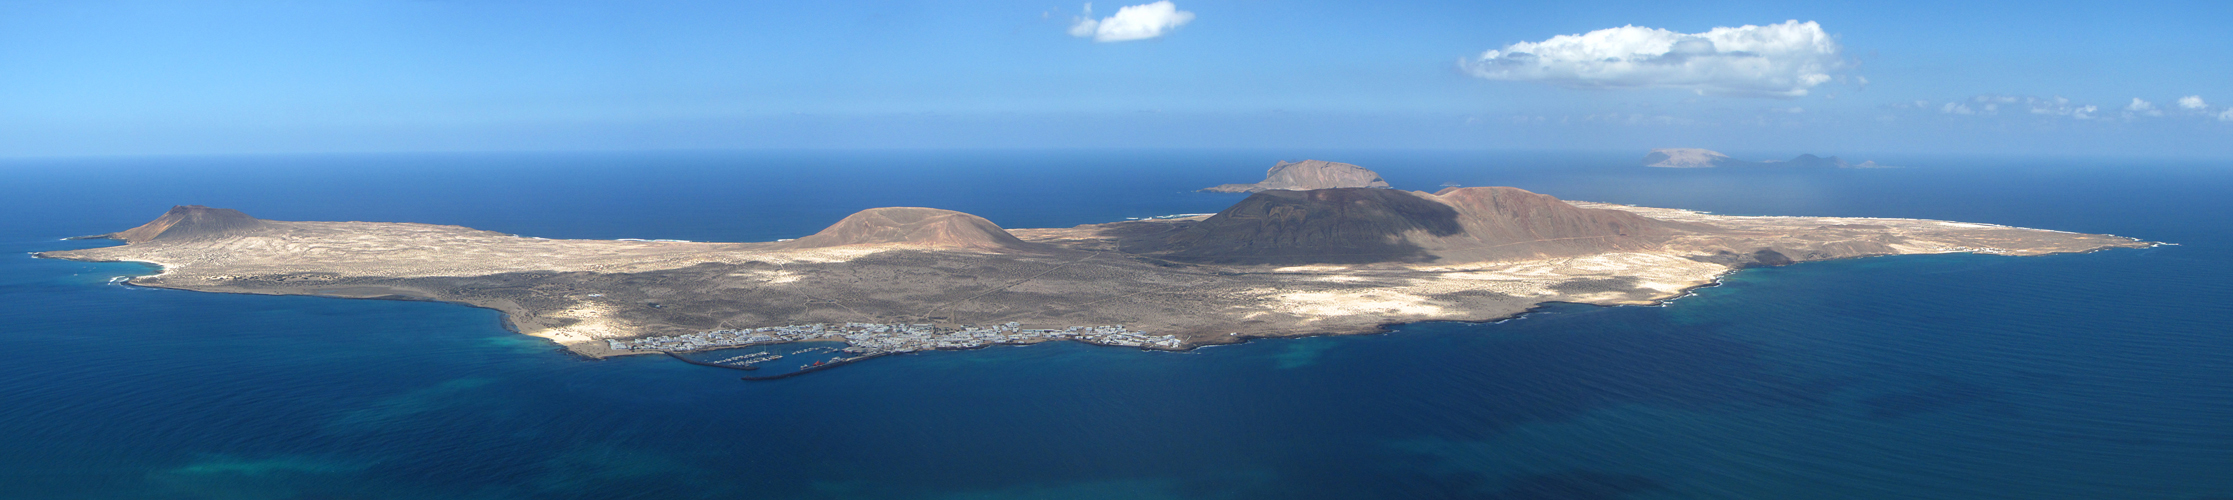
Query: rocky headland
{"points": [[1307, 175]]}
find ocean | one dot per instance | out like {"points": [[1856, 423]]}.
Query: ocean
{"points": [[2102, 375]]}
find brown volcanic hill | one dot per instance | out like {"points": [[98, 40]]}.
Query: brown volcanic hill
{"points": [[1307, 175], [1361, 226], [1333, 226], [1512, 223], [190, 222], [917, 227]]}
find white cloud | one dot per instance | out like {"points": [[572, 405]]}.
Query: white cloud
{"points": [[1778, 60], [1137, 22], [2084, 112], [2141, 107], [1084, 25], [1988, 105], [2056, 106]]}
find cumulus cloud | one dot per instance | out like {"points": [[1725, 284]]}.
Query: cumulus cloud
{"points": [[2227, 116], [1137, 22], [1777, 60], [2193, 102], [2141, 107]]}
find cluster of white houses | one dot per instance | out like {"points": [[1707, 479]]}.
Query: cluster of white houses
{"points": [[877, 338]]}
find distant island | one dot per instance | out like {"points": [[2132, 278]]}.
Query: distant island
{"points": [[1701, 158], [895, 280], [1307, 175]]}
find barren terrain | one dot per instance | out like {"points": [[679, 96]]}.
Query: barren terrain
{"points": [[1196, 279]]}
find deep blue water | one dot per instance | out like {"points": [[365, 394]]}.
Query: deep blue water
{"points": [[2104, 375]]}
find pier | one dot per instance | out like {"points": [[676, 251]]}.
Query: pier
{"points": [[879, 338], [801, 371], [812, 368], [869, 340], [714, 364]]}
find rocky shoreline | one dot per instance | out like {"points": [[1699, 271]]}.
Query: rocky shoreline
{"points": [[897, 280]]}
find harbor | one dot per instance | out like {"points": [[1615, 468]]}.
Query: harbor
{"points": [[868, 340]]}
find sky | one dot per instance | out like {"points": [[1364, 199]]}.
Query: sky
{"points": [[2128, 78]]}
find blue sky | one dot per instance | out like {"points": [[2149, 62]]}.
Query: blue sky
{"points": [[97, 77]]}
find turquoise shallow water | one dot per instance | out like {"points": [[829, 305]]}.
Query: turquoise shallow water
{"points": [[2105, 375]]}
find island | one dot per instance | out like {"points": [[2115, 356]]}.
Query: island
{"points": [[1307, 175], [1279, 263], [1702, 158]]}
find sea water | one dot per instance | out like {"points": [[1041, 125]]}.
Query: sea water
{"points": [[2102, 375]]}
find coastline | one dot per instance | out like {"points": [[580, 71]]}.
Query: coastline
{"points": [[577, 349], [543, 288], [1376, 329], [591, 349]]}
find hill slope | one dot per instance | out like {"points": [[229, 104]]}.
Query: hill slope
{"points": [[1361, 226], [184, 222], [915, 227]]}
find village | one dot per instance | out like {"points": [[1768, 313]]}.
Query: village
{"points": [[872, 339]]}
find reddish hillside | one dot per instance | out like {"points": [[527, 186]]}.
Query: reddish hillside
{"points": [[1510, 223], [190, 222], [917, 227]]}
